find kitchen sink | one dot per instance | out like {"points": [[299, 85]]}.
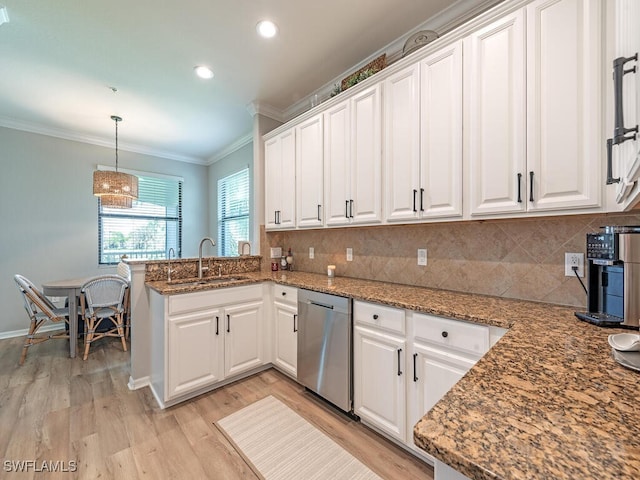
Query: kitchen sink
{"points": [[190, 282]]}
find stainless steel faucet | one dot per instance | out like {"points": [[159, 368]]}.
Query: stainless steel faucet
{"points": [[213, 244], [169, 269]]}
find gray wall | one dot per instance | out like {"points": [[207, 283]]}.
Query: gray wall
{"points": [[232, 163], [49, 214]]}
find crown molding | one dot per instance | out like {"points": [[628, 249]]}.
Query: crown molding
{"points": [[93, 140], [4, 15], [229, 149], [265, 109], [442, 22]]}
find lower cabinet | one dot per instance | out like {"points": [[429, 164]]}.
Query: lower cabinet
{"points": [[200, 339], [285, 315], [405, 362]]}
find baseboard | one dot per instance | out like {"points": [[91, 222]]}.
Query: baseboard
{"points": [[136, 384], [23, 333]]}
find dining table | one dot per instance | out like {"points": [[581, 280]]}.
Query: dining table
{"points": [[71, 288]]}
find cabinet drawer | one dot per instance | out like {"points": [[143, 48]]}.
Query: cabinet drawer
{"points": [[463, 336], [387, 318], [283, 294]]}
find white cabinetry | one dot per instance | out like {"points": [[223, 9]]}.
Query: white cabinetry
{"points": [[196, 351], [495, 116], [626, 156], [243, 337], [564, 68], [379, 380], [309, 172], [280, 180], [533, 119], [200, 339], [285, 314], [405, 362], [353, 160], [423, 138]]}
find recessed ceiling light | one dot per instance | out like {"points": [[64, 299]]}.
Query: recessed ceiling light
{"points": [[203, 72], [267, 28]]}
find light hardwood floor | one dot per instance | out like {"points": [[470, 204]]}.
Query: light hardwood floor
{"points": [[54, 408]]}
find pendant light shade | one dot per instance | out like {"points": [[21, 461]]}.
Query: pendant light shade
{"points": [[115, 189]]}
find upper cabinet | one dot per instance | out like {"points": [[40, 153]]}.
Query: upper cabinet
{"points": [[280, 180], [423, 138], [533, 122], [501, 117], [353, 160], [309, 172], [495, 116]]}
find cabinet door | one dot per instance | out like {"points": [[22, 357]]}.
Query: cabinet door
{"points": [[195, 352], [286, 338], [280, 189], [402, 144], [432, 374], [309, 172], [243, 338], [564, 141], [337, 164], [495, 116], [286, 182], [379, 381], [272, 168], [627, 44], [441, 133], [366, 157]]}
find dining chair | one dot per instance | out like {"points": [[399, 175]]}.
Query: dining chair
{"points": [[125, 272], [102, 300], [40, 310]]}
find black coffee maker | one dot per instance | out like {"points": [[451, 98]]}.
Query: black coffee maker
{"points": [[613, 258]]}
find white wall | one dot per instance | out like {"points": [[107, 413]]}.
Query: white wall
{"points": [[232, 163], [49, 215]]}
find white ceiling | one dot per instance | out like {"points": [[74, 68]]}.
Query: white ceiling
{"points": [[59, 58]]}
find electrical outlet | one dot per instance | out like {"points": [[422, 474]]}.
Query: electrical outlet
{"points": [[573, 260], [422, 257], [311, 253], [349, 254], [276, 252]]}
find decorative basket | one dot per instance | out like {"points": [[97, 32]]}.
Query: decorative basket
{"points": [[365, 72]]}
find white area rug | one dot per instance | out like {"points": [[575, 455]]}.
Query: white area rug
{"points": [[280, 445]]}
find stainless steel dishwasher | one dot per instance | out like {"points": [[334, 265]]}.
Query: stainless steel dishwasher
{"points": [[324, 346]]}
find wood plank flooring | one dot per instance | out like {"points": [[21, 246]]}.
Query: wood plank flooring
{"points": [[57, 409]]}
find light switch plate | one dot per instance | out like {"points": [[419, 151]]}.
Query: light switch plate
{"points": [[311, 253], [276, 252], [349, 254], [422, 257]]}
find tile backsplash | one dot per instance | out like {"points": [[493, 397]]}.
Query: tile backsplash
{"points": [[514, 258]]}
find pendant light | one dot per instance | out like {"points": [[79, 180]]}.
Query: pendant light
{"points": [[115, 189]]}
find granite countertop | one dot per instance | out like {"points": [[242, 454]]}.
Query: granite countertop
{"points": [[546, 402]]}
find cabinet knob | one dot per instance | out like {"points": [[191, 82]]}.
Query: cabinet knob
{"points": [[445, 334], [375, 316], [284, 293]]}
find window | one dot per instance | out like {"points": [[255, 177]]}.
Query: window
{"points": [[233, 212], [148, 229]]}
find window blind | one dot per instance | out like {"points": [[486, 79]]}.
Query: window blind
{"points": [[233, 212], [148, 229]]}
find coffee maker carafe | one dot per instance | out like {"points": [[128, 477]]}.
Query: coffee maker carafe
{"points": [[613, 258]]}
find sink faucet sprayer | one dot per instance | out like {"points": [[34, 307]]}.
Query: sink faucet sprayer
{"points": [[213, 244]]}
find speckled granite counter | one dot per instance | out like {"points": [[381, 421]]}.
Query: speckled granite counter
{"points": [[546, 402]]}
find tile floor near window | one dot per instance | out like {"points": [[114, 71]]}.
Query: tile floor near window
{"points": [[57, 409]]}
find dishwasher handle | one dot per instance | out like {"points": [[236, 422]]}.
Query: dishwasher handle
{"points": [[317, 304]]}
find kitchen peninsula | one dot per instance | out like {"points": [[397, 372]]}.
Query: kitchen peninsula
{"points": [[547, 401]]}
